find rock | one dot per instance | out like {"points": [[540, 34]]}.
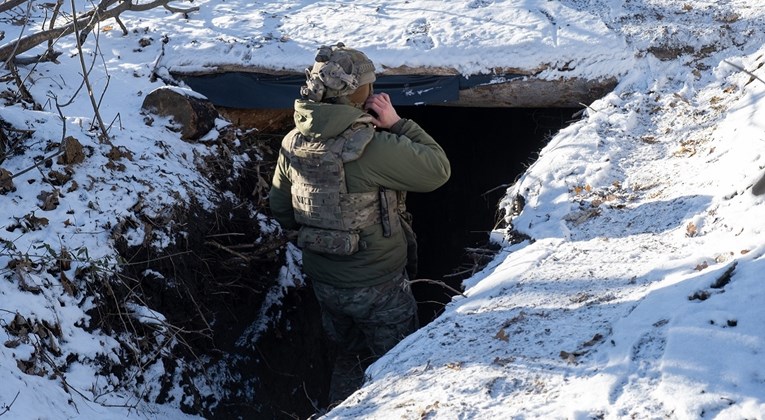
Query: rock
{"points": [[72, 151], [193, 113]]}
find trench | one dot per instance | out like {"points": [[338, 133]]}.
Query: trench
{"points": [[286, 374], [488, 149]]}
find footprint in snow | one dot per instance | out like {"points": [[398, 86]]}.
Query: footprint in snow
{"points": [[475, 4], [645, 358], [416, 34]]}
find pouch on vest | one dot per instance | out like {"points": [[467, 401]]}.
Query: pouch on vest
{"points": [[325, 241]]}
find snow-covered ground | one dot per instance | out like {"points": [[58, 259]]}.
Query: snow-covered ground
{"points": [[638, 296]]}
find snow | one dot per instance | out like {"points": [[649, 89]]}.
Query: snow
{"points": [[638, 295]]}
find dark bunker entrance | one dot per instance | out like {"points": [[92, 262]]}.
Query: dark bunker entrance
{"points": [[488, 148]]}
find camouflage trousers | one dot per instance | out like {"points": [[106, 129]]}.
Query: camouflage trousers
{"points": [[364, 323]]}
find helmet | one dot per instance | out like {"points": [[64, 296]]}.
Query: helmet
{"points": [[338, 71]]}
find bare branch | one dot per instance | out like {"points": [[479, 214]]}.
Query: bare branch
{"points": [[736, 66], [10, 4], [439, 283], [36, 165], [56, 11], [229, 250], [7, 408], [25, 95], [104, 134], [26, 43], [14, 50]]}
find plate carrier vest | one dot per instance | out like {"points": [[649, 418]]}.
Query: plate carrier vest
{"points": [[320, 196]]}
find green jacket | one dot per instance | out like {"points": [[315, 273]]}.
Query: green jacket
{"points": [[404, 159]]}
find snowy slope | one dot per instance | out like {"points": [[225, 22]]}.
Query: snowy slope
{"points": [[636, 297]]}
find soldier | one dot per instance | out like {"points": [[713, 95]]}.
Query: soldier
{"points": [[340, 179]]}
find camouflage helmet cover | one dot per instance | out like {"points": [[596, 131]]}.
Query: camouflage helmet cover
{"points": [[338, 71]]}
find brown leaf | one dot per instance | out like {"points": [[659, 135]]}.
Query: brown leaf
{"points": [[36, 223], [502, 361], [27, 286], [67, 284], [59, 178], [19, 325], [117, 153], [502, 335], [454, 365], [13, 343], [49, 200], [429, 411], [690, 230], [580, 297], [73, 186], [6, 181]]}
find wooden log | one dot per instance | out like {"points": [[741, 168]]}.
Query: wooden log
{"points": [[195, 115], [529, 92]]}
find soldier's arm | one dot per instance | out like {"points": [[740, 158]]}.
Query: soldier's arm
{"points": [[407, 159], [280, 197]]}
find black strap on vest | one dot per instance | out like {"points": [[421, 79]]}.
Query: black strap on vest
{"points": [[384, 215]]}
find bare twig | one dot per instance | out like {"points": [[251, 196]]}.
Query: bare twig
{"points": [[481, 251], [439, 283], [310, 400], [104, 137], [495, 189], [164, 257], [744, 70], [121, 25], [25, 95], [10, 4], [459, 273], [56, 11], [8, 407], [219, 235], [117, 118], [36, 165], [157, 60], [229, 250], [95, 17], [580, 112]]}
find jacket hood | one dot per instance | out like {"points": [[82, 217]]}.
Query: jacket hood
{"points": [[321, 120]]}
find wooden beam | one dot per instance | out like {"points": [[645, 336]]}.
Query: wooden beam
{"points": [[530, 92]]}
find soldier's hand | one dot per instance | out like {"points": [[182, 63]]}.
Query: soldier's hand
{"points": [[381, 105]]}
